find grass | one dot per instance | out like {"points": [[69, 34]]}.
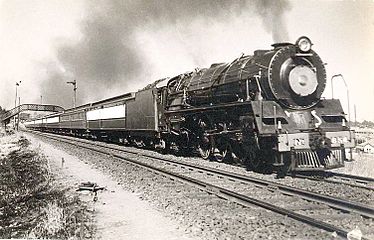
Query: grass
{"points": [[32, 203]]}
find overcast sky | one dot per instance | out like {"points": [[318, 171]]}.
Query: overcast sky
{"points": [[112, 47]]}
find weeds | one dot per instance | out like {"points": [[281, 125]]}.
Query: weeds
{"points": [[32, 204]]}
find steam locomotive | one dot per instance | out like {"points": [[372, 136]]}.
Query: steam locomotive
{"points": [[264, 110]]}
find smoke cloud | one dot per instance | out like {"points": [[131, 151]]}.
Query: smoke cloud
{"points": [[272, 16], [108, 57]]}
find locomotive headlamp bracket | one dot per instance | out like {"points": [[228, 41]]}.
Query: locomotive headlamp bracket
{"points": [[304, 44]]}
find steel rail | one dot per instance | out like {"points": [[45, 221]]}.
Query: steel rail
{"points": [[354, 177], [335, 202], [363, 185], [219, 191], [339, 178]]}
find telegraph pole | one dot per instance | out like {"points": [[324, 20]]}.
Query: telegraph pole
{"points": [[19, 104], [355, 115], [15, 102], [74, 83]]}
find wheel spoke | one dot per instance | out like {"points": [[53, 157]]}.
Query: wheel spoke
{"points": [[205, 147], [204, 151], [219, 155], [223, 152]]}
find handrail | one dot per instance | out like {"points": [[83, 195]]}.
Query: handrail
{"points": [[30, 107]]}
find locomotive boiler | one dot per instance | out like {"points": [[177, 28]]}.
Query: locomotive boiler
{"points": [[264, 110]]}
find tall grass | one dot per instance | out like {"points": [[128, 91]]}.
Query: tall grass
{"points": [[52, 221], [32, 203]]}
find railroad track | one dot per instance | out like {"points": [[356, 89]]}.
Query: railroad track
{"points": [[309, 193], [292, 202], [339, 178]]}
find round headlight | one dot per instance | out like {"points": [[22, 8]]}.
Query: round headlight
{"points": [[304, 44]]}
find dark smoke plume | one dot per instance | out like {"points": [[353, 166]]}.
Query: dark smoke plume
{"points": [[272, 16], [107, 56]]}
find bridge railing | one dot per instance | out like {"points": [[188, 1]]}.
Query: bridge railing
{"points": [[30, 107]]}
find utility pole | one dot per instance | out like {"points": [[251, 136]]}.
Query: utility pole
{"points": [[15, 102], [19, 104], [41, 99], [355, 115], [74, 83]]}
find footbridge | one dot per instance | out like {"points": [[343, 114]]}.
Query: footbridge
{"points": [[5, 118]]}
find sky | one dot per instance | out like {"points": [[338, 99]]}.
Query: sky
{"points": [[112, 47]]}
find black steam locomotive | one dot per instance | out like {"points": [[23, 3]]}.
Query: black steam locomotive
{"points": [[264, 110]]}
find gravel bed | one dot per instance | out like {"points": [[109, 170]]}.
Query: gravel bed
{"points": [[274, 197], [198, 212], [343, 191], [344, 220]]}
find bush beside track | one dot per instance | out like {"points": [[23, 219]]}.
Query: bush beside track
{"points": [[32, 203]]}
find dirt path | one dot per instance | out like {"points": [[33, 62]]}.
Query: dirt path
{"points": [[119, 214]]}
